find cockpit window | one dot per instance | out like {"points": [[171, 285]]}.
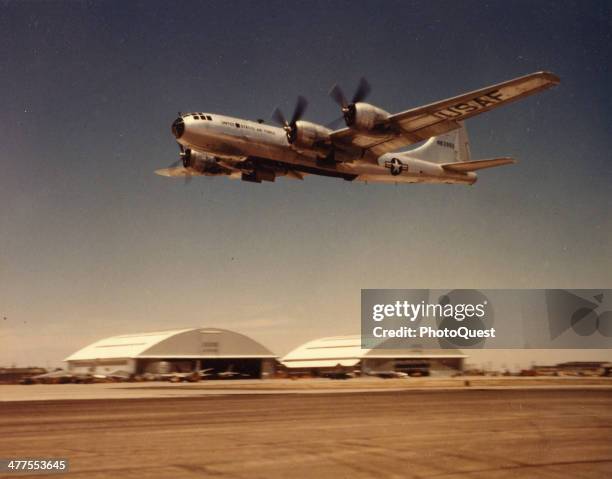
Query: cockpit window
{"points": [[208, 117]]}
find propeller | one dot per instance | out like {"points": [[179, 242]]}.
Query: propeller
{"points": [[185, 156], [289, 126], [348, 108], [185, 160]]}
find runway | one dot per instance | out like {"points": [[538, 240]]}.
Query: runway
{"points": [[389, 434], [156, 389]]}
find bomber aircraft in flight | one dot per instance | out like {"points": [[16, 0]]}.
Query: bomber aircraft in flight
{"points": [[365, 150]]}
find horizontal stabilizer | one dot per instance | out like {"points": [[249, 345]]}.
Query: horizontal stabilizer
{"points": [[177, 171], [467, 166]]}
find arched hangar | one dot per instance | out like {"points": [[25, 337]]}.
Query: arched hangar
{"points": [[331, 354], [216, 350]]}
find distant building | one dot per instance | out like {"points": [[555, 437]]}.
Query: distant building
{"points": [[574, 368], [181, 350], [582, 366], [326, 355]]}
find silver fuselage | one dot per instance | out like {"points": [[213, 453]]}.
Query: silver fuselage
{"points": [[236, 139]]}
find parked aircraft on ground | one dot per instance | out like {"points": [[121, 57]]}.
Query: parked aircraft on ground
{"points": [[390, 374], [229, 373], [365, 150]]}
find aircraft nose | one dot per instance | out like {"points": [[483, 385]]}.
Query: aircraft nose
{"points": [[178, 127]]}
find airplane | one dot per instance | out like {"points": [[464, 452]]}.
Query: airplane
{"points": [[338, 375], [165, 371], [229, 373], [190, 377], [390, 374], [365, 150], [58, 376]]}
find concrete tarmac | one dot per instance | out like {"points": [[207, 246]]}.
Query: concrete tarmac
{"points": [[155, 389], [463, 433]]}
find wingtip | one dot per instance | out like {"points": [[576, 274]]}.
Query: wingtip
{"points": [[550, 76], [508, 161]]}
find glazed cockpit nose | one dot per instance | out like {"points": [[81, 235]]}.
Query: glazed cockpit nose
{"points": [[178, 127]]}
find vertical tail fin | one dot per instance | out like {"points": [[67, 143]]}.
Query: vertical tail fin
{"points": [[448, 148]]}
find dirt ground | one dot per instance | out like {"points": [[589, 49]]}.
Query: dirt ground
{"points": [[503, 433]]}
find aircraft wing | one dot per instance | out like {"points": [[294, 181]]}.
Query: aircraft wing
{"points": [[177, 171], [418, 124]]}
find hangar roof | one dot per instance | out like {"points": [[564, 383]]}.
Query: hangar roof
{"points": [[347, 351], [327, 363], [178, 343]]}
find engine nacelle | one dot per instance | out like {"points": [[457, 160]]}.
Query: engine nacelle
{"points": [[363, 116], [308, 135], [202, 162]]}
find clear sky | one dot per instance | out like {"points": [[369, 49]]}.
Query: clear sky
{"points": [[92, 243]]}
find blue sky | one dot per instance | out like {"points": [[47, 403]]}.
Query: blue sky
{"points": [[92, 243]]}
